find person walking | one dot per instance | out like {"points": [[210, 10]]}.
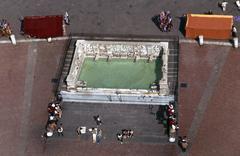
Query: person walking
{"points": [[66, 18], [45, 137], [78, 131], [98, 120], [60, 130], [183, 143], [120, 138]]}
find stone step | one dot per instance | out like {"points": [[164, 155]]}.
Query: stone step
{"points": [[65, 69], [173, 58], [69, 56], [64, 73], [67, 65]]}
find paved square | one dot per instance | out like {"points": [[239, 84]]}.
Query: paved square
{"points": [[115, 117]]}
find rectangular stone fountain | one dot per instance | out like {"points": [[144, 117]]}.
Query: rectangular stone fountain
{"points": [[108, 71]]}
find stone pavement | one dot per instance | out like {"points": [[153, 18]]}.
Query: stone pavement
{"points": [[132, 17], [115, 118]]}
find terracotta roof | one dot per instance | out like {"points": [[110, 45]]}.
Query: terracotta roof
{"points": [[210, 26], [209, 21]]}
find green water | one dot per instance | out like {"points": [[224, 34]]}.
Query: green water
{"points": [[120, 73]]}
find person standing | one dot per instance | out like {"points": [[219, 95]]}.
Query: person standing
{"points": [[60, 130], [99, 136]]}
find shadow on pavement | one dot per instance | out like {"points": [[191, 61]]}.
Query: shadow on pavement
{"points": [[182, 24], [156, 20]]}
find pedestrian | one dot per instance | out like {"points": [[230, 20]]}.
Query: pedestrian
{"points": [[94, 135], [45, 137], [223, 5], [82, 130], [66, 18], [170, 110], [78, 131], [120, 138], [238, 4], [183, 143], [58, 112], [130, 133], [98, 120], [60, 130], [51, 107], [234, 31], [99, 136]]}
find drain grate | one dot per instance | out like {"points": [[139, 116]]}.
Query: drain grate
{"points": [[183, 85]]}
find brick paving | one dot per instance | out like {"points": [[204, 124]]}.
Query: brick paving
{"points": [[218, 131], [217, 128], [210, 126], [196, 62], [15, 138]]}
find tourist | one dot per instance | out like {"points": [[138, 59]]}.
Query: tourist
{"points": [[234, 31], [66, 18], [238, 4], [51, 107], [60, 130], [78, 131], [50, 128], [99, 136], [82, 130], [58, 112], [98, 120], [45, 137], [223, 5], [130, 133], [172, 120], [183, 143], [120, 138], [94, 134], [170, 110]]}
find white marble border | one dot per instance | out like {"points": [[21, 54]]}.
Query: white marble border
{"points": [[120, 49]]}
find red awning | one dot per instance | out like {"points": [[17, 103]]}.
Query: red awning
{"points": [[43, 26]]}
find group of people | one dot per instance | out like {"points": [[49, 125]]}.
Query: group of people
{"points": [[172, 122], [126, 133], [165, 21], [173, 127], [96, 131], [54, 114]]}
